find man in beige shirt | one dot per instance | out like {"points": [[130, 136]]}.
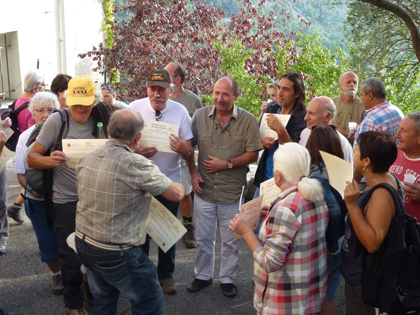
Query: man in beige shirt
{"points": [[228, 139], [349, 106]]}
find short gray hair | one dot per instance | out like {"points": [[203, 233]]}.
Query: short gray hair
{"points": [[32, 80], [416, 117], [43, 99], [375, 86], [273, 85], [125, 124], [330, 108]]}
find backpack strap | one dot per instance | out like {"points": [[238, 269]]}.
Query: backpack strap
{"points": [[21, 108], [398, 202], [64, 117]]}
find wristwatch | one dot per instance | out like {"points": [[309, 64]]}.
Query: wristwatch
{"points": [[230, 165]]}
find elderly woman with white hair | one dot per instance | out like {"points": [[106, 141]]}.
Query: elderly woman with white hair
{"points": [[41, 106], [290, 253], [33, 83]]}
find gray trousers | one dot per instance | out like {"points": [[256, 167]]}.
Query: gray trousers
{"points": [[4, 226], [206, 215]]}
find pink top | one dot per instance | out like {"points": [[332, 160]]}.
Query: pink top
{"points": [[25, 117]]}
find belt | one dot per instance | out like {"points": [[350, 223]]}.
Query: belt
{"points": [[91, 241]]}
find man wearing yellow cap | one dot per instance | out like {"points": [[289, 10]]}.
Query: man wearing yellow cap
{"points": [[79, 125]]}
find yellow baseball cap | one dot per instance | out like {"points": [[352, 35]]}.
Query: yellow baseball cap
{"points": [[81, 91]]}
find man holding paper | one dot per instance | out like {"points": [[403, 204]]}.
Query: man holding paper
{"points": [[114, 186], [164, 114], [290, 101], [228, 140]]}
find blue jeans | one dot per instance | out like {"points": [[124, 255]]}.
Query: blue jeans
{"points": [[166, 261], [47, 241], [334, 275], [128, 271]]}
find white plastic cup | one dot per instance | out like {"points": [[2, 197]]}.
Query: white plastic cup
{"points": [[352, 127], [408, 178]]}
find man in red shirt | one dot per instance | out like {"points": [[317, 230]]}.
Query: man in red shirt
{"points": [[408, 161]]}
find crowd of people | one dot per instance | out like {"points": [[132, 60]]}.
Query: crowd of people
{"points": [[307, 238]]}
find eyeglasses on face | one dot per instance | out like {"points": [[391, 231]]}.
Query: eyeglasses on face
{"points": [[41, 111]]}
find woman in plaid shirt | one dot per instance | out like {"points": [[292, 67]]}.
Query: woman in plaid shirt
{"points": [[290, 253]]}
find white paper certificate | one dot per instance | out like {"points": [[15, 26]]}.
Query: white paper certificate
{"points": [[164, 228], [339, 171], [266, 131], [156, 133], [5, 156], [269, 191], [75, 149], [250, 213]]}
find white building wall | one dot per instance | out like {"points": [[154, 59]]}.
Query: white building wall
{"points": [[32, 29]]}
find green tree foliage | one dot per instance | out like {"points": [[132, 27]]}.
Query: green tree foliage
{"points": [[381, 46]]}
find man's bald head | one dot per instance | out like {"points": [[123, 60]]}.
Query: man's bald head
{"points": [[320, 111], [125, 125]]}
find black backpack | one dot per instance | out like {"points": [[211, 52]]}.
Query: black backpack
{"points": [[391, 279], [13, 115]]}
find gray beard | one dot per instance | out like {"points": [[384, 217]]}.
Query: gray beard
{"points": [[349, 93]]}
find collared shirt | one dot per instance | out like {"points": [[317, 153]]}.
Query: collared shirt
{"points": [[383, 117], [238, 136], [115, 187], [290, 267]]}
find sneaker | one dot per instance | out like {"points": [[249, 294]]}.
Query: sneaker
{"points": [[168, 286], [81, 311], [198, 284], [2, 250], [14, 212], [189, 238], [228, 289], [57, 287]]}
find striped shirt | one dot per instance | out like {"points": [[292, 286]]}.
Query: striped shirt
{"points": [[291, 267], [114, 187], [383, 117]]}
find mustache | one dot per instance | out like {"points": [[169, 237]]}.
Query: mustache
{"points": [[158, 99]]}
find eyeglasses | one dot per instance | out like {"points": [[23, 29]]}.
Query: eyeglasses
{"points": [[81, 106], [331, 126], [158, 115], [41, 111]]}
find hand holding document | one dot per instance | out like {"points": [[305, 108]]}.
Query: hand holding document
{"points": [[5, 156], [250, 213], [269, 191], [164, 228], [266, 131], [157, 133], [75, 149], [339, 171]]}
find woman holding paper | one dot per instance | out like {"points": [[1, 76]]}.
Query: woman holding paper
{"points": [[290, 253], [373, 156], [325, 138]]}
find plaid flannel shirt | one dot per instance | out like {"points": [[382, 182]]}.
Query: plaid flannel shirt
{"points": [[383, 117], [290, 269]]}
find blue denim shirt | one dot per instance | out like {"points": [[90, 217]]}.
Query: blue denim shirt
{"points": [[335, 229]]}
